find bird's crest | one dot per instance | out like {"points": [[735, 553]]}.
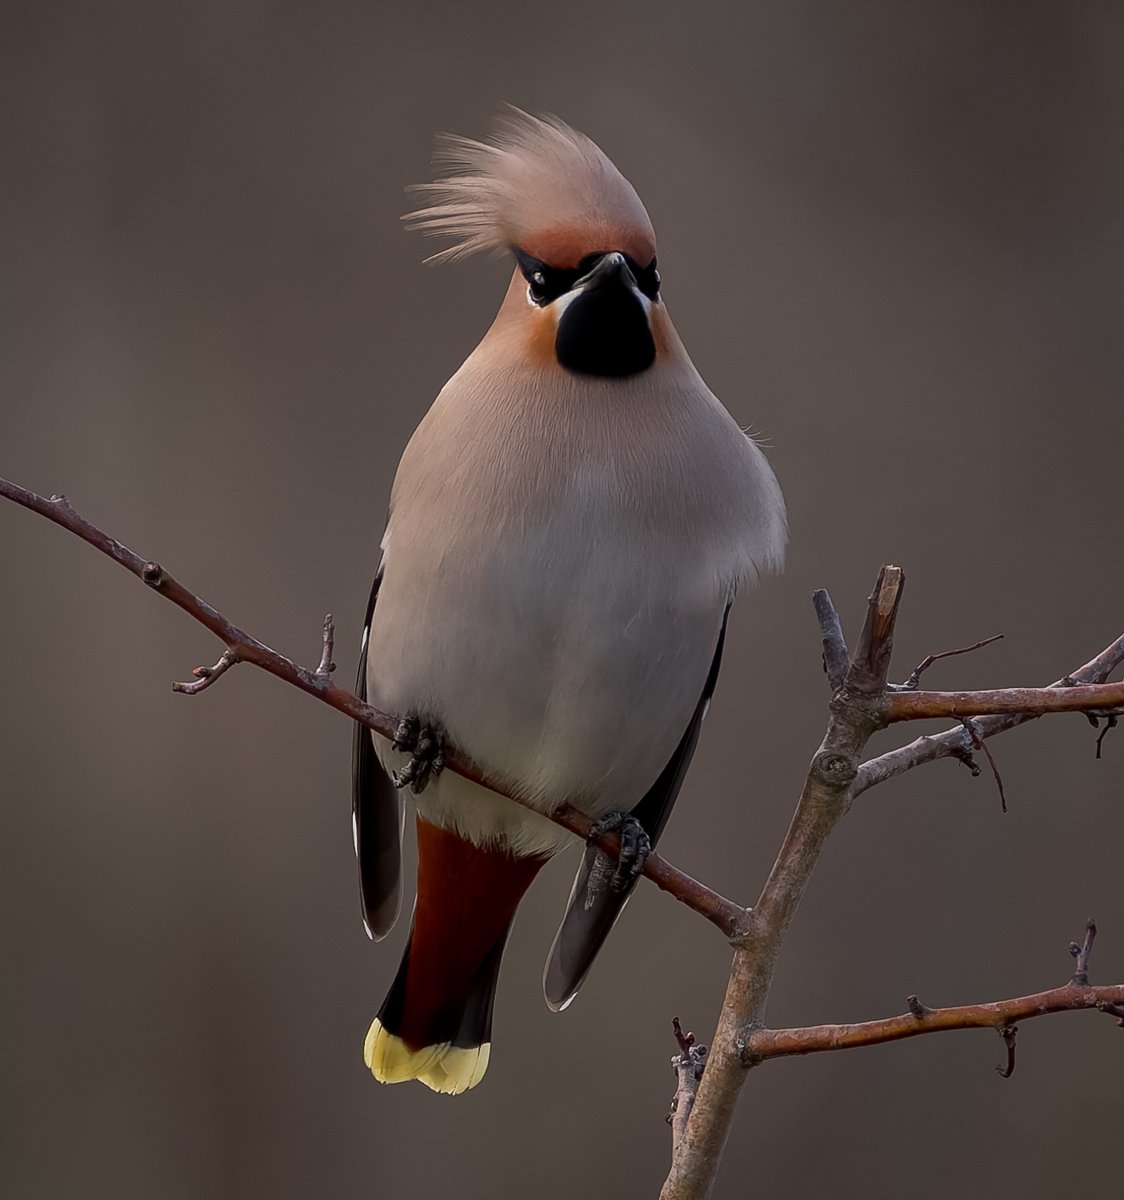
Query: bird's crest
{"points": [[534, 183]]}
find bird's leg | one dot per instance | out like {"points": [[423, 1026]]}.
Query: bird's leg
{"points": [[634, 851], [425, 743]]}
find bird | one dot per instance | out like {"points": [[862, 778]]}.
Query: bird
{"points": [[568, 527]]}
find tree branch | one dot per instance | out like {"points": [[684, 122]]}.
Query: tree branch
{"points": [[1076, 994], [862, 703], [957, 742], [241, 647], [856, 712], [205, 676], [836, 658], [763, 1044], [688, 1064], [913, 682], [920, 706]]}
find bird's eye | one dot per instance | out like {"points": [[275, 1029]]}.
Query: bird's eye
{"points": [[544, 282]]}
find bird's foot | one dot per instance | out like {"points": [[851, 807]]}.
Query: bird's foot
{"points": [[634, 851], [425, 743]]}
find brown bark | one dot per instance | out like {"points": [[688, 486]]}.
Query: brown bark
{"points": [[862, 703]]}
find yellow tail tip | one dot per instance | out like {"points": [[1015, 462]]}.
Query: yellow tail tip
{"points": [[443, 1068]]}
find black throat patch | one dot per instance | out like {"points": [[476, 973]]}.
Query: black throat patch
{"points": [[604, 331]]}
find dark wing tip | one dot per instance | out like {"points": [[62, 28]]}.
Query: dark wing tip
{"points": [[377, 815], [594, 907], [591, 913]]}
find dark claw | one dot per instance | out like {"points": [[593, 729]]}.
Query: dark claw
{"points": [[426, 746], [634, 851], [406, 735]]}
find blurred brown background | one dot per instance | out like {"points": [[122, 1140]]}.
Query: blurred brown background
{"points": [[891, 237]]}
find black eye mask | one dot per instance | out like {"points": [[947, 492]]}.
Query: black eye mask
{"points": [[547, 283]]}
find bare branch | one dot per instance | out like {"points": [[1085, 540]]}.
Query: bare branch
{"points": [[861, 704], [689, 1064], [956, 742], [1009, 1034], [1081, 953], [1000, 1015], [326, 667], [914, 678], [763, 1044], [1111, 719], [205, 676], [836, 659], [876, 642], [919, 706], [241, 647], [856, 712], [979, 744]]}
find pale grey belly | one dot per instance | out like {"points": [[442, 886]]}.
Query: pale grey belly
{"points": [[573, 674]]}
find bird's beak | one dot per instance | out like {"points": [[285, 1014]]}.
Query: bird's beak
{"points": [[604, 323], [611, 269]]}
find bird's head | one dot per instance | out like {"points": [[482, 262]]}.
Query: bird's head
{"points": [[586, 293]]}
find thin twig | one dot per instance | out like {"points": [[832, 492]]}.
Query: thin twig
{"points": [[326, 667], [914, 677], [205, 676], [1010, 1035], [1111, 720], [1081, 953], [835, 656], [979, 744], [689, 1064]]}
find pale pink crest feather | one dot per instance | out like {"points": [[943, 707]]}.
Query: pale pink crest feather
{"points": [[534, 182]]}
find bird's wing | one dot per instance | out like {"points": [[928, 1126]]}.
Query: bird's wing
{"points": [[593, 907], [377, 814]]}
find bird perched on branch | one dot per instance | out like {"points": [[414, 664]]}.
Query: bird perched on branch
{"points": [[568, 527]]}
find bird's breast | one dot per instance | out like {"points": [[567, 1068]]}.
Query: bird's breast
{"points": [[555, 575]]}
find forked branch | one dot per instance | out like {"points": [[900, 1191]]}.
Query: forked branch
{"points": [[958, 742], [862, 702]]}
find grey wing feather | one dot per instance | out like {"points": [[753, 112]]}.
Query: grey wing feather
{"points": [[593, 907], [377, 815]]}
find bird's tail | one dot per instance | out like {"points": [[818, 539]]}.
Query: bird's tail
{"points": [[435, 1025]]}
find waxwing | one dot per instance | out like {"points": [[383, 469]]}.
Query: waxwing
{"points": [[568, 527]]}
